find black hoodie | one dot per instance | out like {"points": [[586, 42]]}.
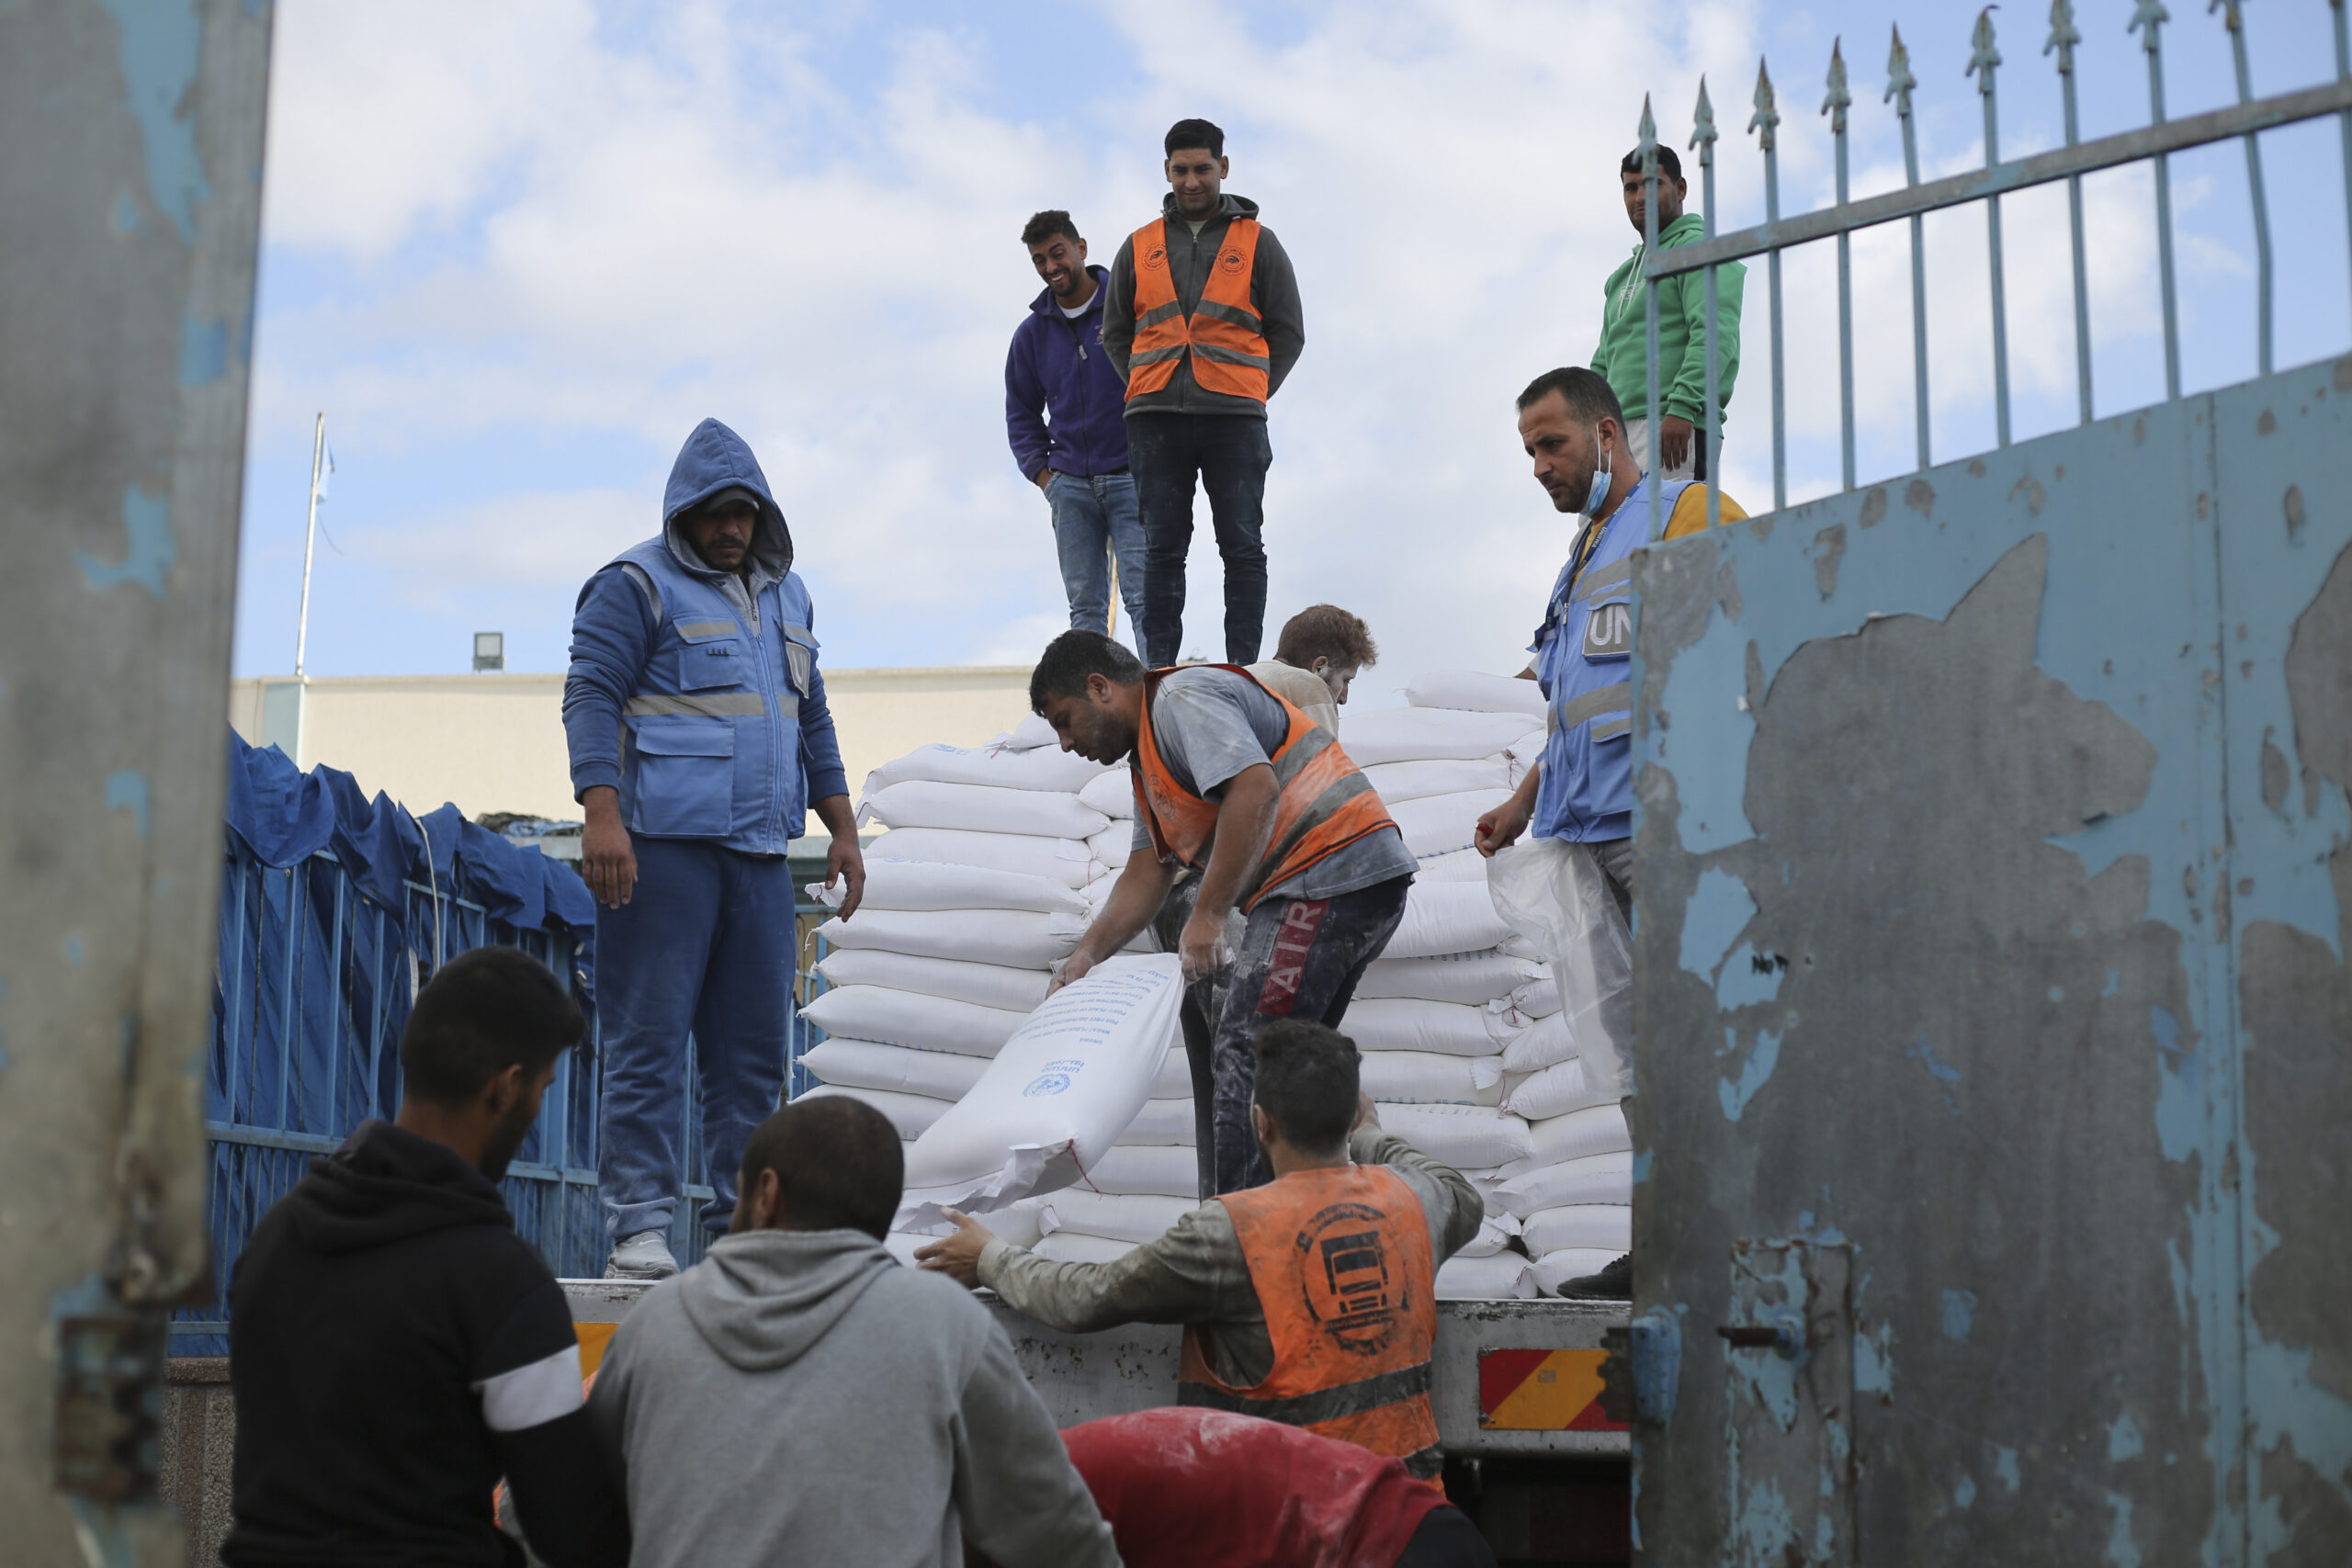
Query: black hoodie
{"points": [[369, 1310]]}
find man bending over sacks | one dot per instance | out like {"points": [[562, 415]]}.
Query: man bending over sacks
{"points": [[1235, 783], [1310, 1300], [801, 1396]]}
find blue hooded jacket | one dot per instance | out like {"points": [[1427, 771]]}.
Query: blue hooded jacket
{"points": [[694, 693], [1058, 366]]}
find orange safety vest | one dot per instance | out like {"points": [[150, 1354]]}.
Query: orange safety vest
{"points": [[1341, 1262], [1326, 803], [1223, 334]]}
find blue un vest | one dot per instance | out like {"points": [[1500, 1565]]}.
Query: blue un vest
{"points": [[711, 742], [1583, 658]]}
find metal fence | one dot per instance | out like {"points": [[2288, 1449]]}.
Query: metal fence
{"points": [[315, 985], [2155, 142]]}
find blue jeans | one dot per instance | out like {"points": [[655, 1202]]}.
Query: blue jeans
{"points": [[706, 945], [1093, 519], [1228, 454]]}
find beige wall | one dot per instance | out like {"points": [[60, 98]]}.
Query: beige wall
{"points": [[494, 742]]}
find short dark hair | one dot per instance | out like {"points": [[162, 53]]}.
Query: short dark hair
{"points": [[1195, 133], [838, 1160], [1587, 393], [1307, 1082], [1326, 631], [487, 1010], [1071, 657], [1044, 225], [1669, 167]]}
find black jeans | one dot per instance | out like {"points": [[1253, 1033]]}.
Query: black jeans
{"points": [[1227, 454]]}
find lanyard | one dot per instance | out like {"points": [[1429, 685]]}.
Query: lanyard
{"points": [[1587, 544]]}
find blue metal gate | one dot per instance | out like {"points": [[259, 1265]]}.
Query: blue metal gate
{"points": [[1993, 1096], [315, 985]]}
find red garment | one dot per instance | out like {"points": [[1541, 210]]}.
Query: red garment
{"points": [[1186, 1487]]}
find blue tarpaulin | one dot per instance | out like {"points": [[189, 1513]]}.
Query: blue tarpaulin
{"points": [[335, 907], [283, 815]]}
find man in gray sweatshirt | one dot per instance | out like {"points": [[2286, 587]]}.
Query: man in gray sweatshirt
{"points": [[800, 1396]]}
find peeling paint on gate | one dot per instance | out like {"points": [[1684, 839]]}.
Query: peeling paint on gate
{"points": [[2038, 785]]}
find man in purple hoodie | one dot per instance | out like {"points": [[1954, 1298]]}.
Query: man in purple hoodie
{"points": [[1064, 414]]}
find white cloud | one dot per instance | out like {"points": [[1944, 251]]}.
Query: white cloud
{"points": [[538, 225], [521, 540]]}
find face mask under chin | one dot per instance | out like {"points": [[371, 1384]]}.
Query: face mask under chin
{"points": [[1599, 496]]}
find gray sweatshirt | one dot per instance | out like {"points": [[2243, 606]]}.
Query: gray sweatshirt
{"points": [[801, 1397], [1274, 294]]}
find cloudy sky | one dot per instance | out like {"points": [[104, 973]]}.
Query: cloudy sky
{"points": [[517, 251]]}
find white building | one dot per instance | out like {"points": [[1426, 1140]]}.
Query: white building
{"points": [[495, 741]]}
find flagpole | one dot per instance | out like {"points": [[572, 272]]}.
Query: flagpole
{"points": [[310, 542]]}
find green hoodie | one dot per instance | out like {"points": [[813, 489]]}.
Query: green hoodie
{"points": [[1624, 353]]}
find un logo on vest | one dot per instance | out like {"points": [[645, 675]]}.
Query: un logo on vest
{"points": [[1231, 262], [1345, 1276], [1608, 632], [1156, 257]]}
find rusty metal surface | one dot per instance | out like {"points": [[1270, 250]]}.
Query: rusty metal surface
{"points": [[130, 140], [1994, 848], [1081, 1376]]}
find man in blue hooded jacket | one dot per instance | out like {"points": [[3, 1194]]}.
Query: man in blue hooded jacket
{"points": [[700, 741], [1065, 414]]}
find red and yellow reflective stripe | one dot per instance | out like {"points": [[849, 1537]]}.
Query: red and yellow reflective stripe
{"points": [[1542, 1390]]}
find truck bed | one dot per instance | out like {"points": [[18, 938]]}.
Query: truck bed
{"points": [[1516, 1380]]}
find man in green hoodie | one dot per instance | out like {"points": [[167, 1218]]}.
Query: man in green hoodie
{"points": [[1623, 354]]}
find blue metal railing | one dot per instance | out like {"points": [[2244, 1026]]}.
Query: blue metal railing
{"points": [[314, 988]]}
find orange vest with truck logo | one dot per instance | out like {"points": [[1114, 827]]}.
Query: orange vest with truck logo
{"points": [[1326, 803], [1341, 1262], [1223, 334]]}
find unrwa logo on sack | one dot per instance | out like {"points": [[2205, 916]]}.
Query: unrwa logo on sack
{"points": [[1052, 1078]]}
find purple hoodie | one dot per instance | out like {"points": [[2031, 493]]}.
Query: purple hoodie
{"points": [[1057, 371]]}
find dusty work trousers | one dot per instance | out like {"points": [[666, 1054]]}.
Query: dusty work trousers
{"points": [[704, 947], [1296, 958]]}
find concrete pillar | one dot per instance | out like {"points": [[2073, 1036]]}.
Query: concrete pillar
{"points": [[130, 144]]}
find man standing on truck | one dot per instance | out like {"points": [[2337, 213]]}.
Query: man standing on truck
{"points": [[1310, 1300], [700, 741], [1579, 795], [1204, 322], [1622, 356], [1063, 414], [394, 1348], [1240, 787], [801, 1396]]}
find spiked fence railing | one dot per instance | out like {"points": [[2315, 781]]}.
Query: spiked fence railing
{"points": [[2155, 142]]}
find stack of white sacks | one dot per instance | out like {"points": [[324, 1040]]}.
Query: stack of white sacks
{"points": [[1465, 1046], [994, 863], [995, 860]]}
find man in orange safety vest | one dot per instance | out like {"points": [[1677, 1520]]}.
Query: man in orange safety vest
{"points": [[1204, 322], [1310, 1300]]}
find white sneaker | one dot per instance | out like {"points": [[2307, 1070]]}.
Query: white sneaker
{"points": [[645, 1256]]}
